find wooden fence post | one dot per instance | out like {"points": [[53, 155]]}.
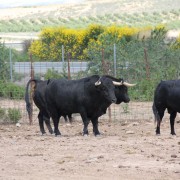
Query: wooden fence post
{"points": [[32, 89], [69, 73], [147, 65], [105, 71]]}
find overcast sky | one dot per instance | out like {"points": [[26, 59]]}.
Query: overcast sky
{"points": [[15, 3]]}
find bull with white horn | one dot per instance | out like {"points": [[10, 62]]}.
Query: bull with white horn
{"points": [[121, 89]]}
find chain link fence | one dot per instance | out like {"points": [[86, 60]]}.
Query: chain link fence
{"points": [[144, 63]]}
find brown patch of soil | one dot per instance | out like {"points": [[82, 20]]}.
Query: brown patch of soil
{"points": [[125, 150]]}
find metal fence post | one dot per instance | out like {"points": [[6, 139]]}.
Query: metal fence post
{"points": [[69, 73], [104, 69], [147, 64], [103, 63], [63, 54], [10, 63], [115, 61], [32, 89]]}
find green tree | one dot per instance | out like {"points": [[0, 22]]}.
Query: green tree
{"points": [[4, 63]]}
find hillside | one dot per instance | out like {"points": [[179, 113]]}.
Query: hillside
{"points": [[31, 19], [90, 8]]}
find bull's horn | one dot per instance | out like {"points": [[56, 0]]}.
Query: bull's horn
{"points": [[117, 83], [97, 83], [128, 85]]}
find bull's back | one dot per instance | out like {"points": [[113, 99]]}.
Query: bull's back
{"points": [[66, 96]]}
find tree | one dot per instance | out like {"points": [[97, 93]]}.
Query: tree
{"points": [[4, 63]]}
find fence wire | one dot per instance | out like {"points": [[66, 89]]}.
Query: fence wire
{"points": [[142, 63]]}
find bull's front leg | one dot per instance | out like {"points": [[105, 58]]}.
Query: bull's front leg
{"points": [[85, 122], [158, 128], [172, 119], [95, 126]]}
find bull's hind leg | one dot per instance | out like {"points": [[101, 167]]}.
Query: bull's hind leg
{"points": [[65, 118], [161, 114], [55, 115], [48, 124], [95, 126], [41, 125], [172, 119], [56, 124], [70, 118]]}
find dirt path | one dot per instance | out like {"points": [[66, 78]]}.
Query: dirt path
{"points": [[125, 150]]}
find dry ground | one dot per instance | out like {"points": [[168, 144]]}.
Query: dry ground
{"points": [[125, 150]]}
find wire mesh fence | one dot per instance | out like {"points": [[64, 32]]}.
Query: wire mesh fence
{"points": [[144, 64]]}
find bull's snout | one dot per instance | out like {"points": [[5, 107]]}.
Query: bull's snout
{"points": [[127, 100], [114, 100]]}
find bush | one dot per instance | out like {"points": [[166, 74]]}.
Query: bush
{"points": [[17, 76], [10, 90], [3, 114], [14, 115], [53, 74]]}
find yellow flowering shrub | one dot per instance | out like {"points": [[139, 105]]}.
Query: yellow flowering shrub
{"points": [[76, 41], [176, 45], [49, 46], [113, 34]]}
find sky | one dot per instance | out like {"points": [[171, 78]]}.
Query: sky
{"points": [[16, 3]]}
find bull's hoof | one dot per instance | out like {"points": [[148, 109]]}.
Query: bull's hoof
{"points": [[57, 134], [174, 134], [98, 135], [157, 133], [43, 133], [85, 135], [51, 132]]}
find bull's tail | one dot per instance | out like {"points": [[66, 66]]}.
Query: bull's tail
{"points": [[156, 114], [27, 99]]}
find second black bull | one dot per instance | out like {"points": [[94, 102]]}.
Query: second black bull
{"points": [[166, 96], [38, 95], [90, 96]]}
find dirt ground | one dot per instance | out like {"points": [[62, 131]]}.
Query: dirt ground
{"points": [[125, 150]]}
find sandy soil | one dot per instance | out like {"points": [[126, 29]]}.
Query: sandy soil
{"points": [[125, 150]]}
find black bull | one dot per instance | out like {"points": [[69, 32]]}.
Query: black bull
{"points": [[38, 94], [90, 96], [166, 96]]}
